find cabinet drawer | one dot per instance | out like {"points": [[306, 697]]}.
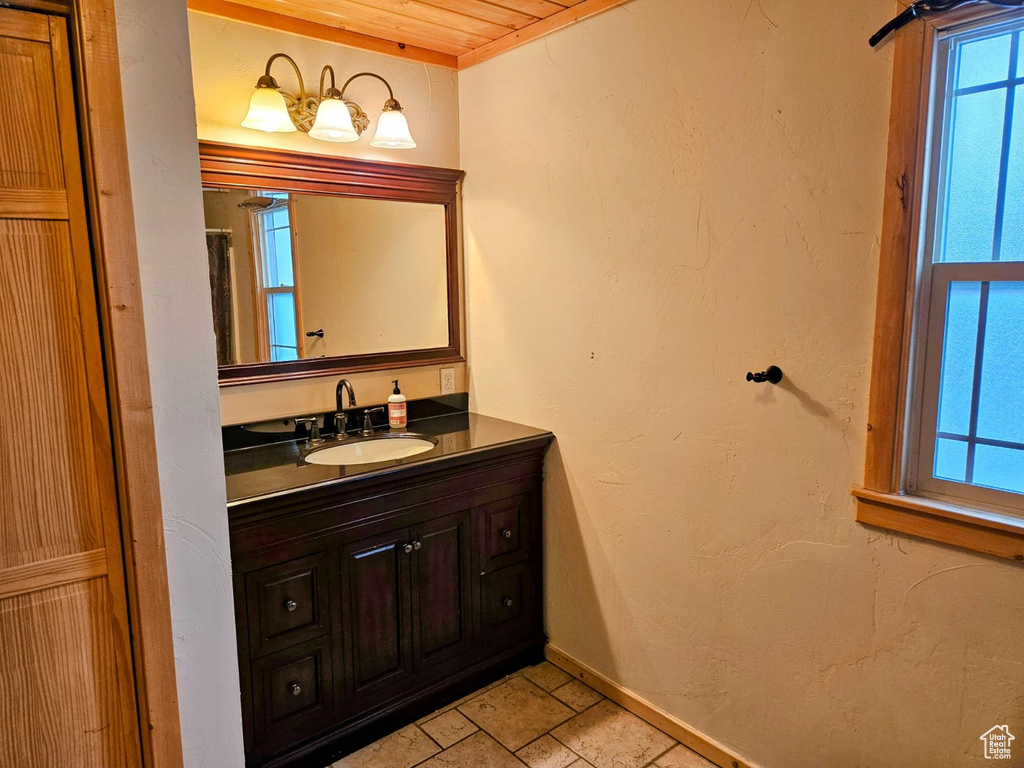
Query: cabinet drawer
{"points": [[288, 604], [502, 532], [505, 600], [293, 690]]}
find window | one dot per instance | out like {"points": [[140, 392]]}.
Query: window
{"points": [[277, 268], [971, 324], [946, 446]]}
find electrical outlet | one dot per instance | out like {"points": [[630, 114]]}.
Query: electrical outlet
{"points": [[447, 381]]}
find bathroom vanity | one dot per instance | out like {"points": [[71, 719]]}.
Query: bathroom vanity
{"points": [[367, 596]]}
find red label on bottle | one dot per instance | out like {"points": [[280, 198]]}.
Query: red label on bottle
{"points": [[397, 414]]}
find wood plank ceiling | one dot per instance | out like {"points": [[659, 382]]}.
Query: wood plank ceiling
{"points": [[451, 33]]}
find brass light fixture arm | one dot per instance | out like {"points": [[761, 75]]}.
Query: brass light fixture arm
{"points": [[332, 91], [301, 108], [268, 79], [359, 118], [391, 103]]}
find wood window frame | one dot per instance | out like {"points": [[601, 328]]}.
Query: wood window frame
{"points": [[257, 238], [883, 500], [230, 166]]}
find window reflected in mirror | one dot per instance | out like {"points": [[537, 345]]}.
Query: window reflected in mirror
{"points": [[299, 276]]}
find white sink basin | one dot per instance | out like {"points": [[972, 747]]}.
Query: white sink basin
{"points": [[370, 450]]}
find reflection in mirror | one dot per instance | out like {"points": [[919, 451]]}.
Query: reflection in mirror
{"points": [[297, 276]]}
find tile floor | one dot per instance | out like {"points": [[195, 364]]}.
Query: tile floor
{"points": [[540, 717]]}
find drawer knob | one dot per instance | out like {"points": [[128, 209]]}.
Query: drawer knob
{"points": [[291, 606], [295, 689], [508, 602], [506, 533]]}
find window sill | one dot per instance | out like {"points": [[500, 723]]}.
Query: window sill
{"points": [[979, 530]]}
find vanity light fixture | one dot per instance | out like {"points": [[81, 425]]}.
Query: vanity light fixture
{"points": [[328, 116], [333, 119]]}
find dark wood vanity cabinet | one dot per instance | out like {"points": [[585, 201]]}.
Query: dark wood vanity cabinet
{"points": [[366, 604], [406, 600]]}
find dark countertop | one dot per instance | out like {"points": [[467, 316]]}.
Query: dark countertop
{"points": [[271, 470]]}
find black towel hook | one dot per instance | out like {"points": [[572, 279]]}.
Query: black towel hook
{"points": [[773, 375]]}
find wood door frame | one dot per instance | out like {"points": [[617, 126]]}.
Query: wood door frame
{"points": [[236, 167], [104, 150], [300, 328]]}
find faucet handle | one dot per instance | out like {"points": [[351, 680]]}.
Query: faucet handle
{"points": [[313, 424], [368, 420]]}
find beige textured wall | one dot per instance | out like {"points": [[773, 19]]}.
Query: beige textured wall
{"points": [[657, 201], [227, 58], [372, 274], [174, 279]]}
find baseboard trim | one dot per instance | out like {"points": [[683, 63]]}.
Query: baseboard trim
{"points": [[703, 745]]}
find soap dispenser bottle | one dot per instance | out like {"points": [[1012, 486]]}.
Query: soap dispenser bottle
{"points": [[398, 414]]}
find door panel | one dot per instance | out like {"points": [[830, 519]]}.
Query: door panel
{"points": [[43, 381], [442, 599], [375, 584], [67, 690], [31, 161], [59, 701]]}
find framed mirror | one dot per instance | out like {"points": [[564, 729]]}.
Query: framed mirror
{"points": [[323, 265]]}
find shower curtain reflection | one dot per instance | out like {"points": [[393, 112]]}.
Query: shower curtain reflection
{"points": [[218, 246]]}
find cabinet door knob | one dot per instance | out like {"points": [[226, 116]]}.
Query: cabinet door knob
{"points": [[290, 606], [417, 545], [295, 689], [508, 602], [506, 533], [407, 548]]}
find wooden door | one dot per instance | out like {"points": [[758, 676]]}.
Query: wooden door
{"points": [[66, 679], [441, 575], [376, 607]]}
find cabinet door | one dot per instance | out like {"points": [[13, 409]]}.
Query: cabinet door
{"points": [[376, 609], [442, 600]]}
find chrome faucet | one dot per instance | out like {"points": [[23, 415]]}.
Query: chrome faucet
{"points": [[341, 415]]}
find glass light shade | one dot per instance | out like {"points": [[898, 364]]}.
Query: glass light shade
{"points": [[268, 111], [333, 122], [393, 131]]}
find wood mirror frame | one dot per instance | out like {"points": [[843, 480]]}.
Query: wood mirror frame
{"points": [[236, 167]]}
